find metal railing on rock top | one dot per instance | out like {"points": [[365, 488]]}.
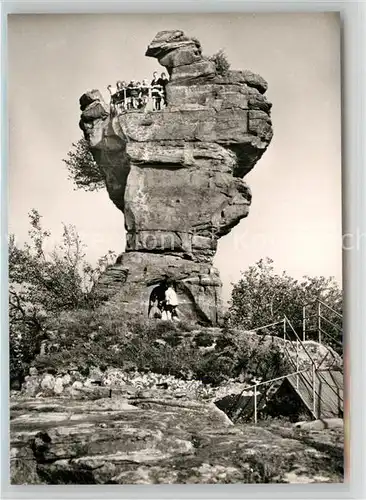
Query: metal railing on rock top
{"points": [[147, 98]]}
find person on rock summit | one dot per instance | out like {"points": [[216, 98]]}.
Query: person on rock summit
{"points": [[154, 81], [119, 97], [145, 91], [157, 92], [163, 81], [134, 94]]}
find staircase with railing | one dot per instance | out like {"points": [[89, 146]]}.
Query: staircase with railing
{"points": [[321, 390]]}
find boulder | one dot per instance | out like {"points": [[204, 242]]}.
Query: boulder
{"points": [[66, 379], [173, 48], [31, 385], [95, 375], [59, 386], [90, 98], [77, 385], [192, 71], [48, 382]]}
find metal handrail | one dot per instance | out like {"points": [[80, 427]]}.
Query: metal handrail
{"points": [[337, 327], [140, 88], [333, 339], [323, 304], [298, 338], [313, 363], [326, 354], [120, 97], [286, 349], [324, 358], [265, 326], [236, 402], [327, 383], [273, 380], [315, 369], [316, 393], [335, 391], [296, 372], [330, 308]]}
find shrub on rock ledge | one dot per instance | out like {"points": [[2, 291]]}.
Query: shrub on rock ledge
{"points": [[83, 170], [221, 62]]}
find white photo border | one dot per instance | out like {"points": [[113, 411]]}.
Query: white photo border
{"points": [[353, 22]]}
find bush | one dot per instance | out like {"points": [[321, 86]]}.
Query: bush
{"points": [[221, 62], [42, 284], [87, 338], [83, 170]]}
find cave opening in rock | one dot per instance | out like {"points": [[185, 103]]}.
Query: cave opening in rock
{"points": [[163, 301], [156, 300]]}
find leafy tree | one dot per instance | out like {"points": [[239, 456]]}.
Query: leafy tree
{"points": [[83, 170], [221, 62], [42, 284], [262, 297]]}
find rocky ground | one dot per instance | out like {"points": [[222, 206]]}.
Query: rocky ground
{"points": [[114, 425], [145, 437]]}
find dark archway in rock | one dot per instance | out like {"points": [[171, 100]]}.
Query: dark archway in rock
{"points": [[157, 296]]}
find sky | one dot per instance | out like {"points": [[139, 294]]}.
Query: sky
{"points": [[295, 217]]}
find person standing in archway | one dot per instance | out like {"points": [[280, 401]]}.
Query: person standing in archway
{"points": [[171, 302]]}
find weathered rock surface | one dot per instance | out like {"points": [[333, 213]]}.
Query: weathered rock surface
{"points": [[173, 48], [145, 441], [177, 173]]}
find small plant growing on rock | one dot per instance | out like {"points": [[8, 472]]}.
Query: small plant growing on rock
{"points": [[221, 62], [83, 170]]}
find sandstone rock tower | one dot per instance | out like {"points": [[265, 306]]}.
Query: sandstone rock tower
{"points": [[177, 175]]}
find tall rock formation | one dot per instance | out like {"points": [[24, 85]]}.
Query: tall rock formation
{"points": [[177, 175]]}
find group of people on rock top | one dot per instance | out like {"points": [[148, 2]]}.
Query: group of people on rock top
{"points": [[137, 95]]}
